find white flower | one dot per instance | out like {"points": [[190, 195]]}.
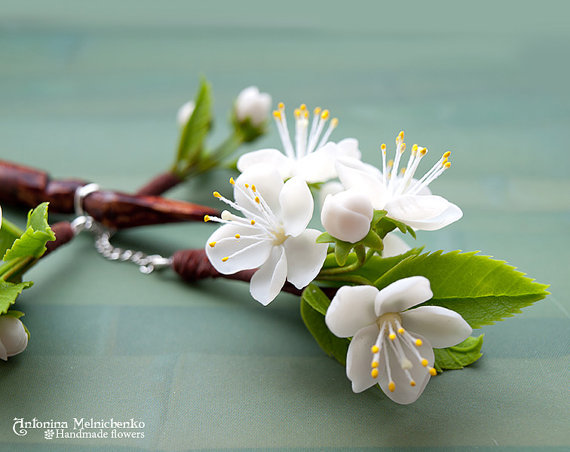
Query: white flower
{"points": [[394, 245], [392, 344], [13, 337], [184, 113], [271, 235], [311, 157], [404, 198], [253, 105], [347, 215]]}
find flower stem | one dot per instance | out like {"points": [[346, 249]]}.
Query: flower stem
{"points": [[361, 257]]}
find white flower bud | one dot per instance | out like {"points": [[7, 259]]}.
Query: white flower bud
{"points": [[185, 112], [347, 215], [253, 105], [13, 337]]}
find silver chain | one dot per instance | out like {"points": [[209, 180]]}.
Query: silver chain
{"points": [[83, 222]]}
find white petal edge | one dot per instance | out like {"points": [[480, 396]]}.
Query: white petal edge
{"points": [[394, 245], [425, 212], [305, 257], [402, 295], [13, 336], [272, 157], [268, 281], [296, 206], [348, 148], [448, 216], [359, 357], [252, 252], [354, 174], [267, 182], [442, 327], [319, 166], [351, 309]]}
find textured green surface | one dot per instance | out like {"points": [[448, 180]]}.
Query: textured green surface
{"points": [[90, 89]]}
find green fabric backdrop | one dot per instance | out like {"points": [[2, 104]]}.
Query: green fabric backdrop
{"points": [[90, 90]]}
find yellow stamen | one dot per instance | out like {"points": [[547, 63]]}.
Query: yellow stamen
{"points": [[224, 259], [401, 136], [216, 195], [206, 218], [424, 362], [374, 373], [325, 115], [317, 111], [253, 188], [297, 113], [232, 181], [281, 106], [303, 107], [447, 154], [257, 199], [444, 162], [374, 364], [392, 336], [252, 222], [212, 244], [419, 342], [306, 114], [432, 372], [374, 349], [414, 148], [237, 236], [423, 151], [277, 114], [383, 146], [392, 386], [334, 122], [401, 330], [403, 147], [447, 165], [403, 170], [390, 163], [412, 383]]}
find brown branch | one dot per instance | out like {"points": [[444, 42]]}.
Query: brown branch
{"points": [[160, 184]]}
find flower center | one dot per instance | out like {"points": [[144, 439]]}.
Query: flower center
{"points": [[306, 141], [403, 346], [403, 183]]}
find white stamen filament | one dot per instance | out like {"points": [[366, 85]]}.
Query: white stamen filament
{"points": [[327, 134]]}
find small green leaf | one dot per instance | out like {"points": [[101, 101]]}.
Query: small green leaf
{"points": [[195, 130], [341, 251], [482, 290], [8, 234], [9, 292], [33, 241], [378, 215], [316, 298], [16, 314], [373, 240], [386, 225], [315, 323], [460, 355], [325, 237]]}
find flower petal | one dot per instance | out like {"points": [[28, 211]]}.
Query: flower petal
{"points": [[268, 183], [364, 178], [296, 204], [442, 327], [403, 294], [351, 309], [319, 166], [359, 357], [394, 245], [272, 157], [13, 336], [349, 148], [424, 212], [404, 393], [244, 252], [268, 281], [305, 257], [347, 215]]}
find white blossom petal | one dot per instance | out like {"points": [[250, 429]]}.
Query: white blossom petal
{"points": [[267, 181], [13, 337], [394, 245], [348, 148], [268, 281], [425, 212], [404, 393], [402, 295], [442, 327], [246, 252], [329, 188], [319, 166], [356, 175], [351, 309], [347, 215], [358, 358], [271, 157], [305, 257], [296, 204]]}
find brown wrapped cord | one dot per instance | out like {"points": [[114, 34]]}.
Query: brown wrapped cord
{"points": [[160, 184]]}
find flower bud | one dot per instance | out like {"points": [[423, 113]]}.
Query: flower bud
{"points": [[347, 215], [185, 112], [253, 105], [13, 337]]}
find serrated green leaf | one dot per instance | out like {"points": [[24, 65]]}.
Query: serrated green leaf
{"points": [[482, 290], [33, 241], [9, 232], [341, 251], [9, 292], [378, 215], [460, 355], [325, 237], [316, 298], [315, 323], [196, 129]]}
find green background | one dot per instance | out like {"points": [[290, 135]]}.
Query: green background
{"points": [[91, 89]]}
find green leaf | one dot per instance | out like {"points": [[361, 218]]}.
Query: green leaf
{"points": [[315, 323], [325, 237], [33, 241], [386, 225], [341, 251], [460, 355], [316, 298], [195, 130], [8, 234], [376, 266], [373, 240], [9, 292], [378, 215], [482, 290], [16, 314]]}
